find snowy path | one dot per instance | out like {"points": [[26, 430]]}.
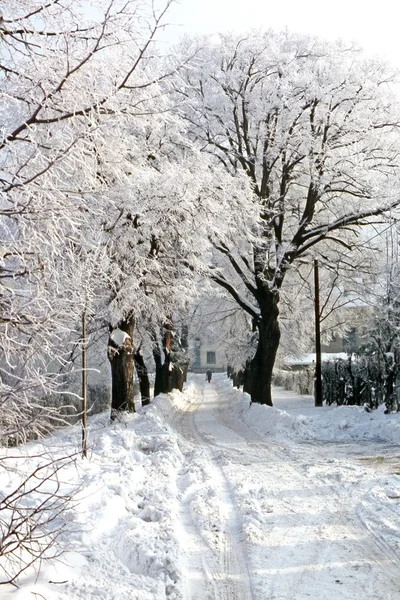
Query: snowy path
{"points": [[261, 520], [214, 563], [200, 496]]}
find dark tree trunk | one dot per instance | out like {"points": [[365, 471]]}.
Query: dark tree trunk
{"points": [[170, 375], [120, 355], [177, 378], [238, 378], [258, 379], [144, 382], [158, 383], [165, 373]]}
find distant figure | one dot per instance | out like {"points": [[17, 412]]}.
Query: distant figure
{"points": [[209, 375]]}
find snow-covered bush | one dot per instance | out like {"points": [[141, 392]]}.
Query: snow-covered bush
{"points": [[301, 381]]}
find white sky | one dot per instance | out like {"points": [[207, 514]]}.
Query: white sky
{"points": [[374, 24]]}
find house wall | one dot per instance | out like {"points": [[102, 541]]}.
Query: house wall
{"points": [[205, 356]]}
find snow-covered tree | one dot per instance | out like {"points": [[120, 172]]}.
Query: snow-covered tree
{"points": [[158, 235], [313, 126], [379, 346], [67, 71]]}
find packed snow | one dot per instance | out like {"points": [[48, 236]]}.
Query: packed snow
{"points": [[118, 337], [203, 495]]}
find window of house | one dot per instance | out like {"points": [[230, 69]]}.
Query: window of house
{"points": [[211, 358]]}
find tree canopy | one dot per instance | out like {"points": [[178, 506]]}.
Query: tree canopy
{"points": [[314, 127], [127, 177]]}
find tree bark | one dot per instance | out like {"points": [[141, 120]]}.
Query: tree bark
{"points": [[170, 375], [239, 378], [258, 378], [144, 382], [177, 378], [84, 386], [120, 355], [158, 383], [163, 374]]}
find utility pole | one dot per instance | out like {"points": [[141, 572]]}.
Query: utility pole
{"points": [[318, 374], [84, 386]]}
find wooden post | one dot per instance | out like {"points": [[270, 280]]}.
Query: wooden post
{"points": [[318, 374], [84, 386]]}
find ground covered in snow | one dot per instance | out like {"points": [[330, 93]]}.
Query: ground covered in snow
{"points": [[202, 496]]}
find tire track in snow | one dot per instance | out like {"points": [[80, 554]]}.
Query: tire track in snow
{"points": [[214, 563], [343, 503], [333, 533], [298, 522]]}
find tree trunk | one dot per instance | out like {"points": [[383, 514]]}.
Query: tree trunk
{"points": [[120, 355], [144, 382], [163, 369], [170, 375], [177, 378], [84, 386], [159, 375], [258, 379]]}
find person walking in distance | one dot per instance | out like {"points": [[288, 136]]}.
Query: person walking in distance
{"points": [[209, 375]]}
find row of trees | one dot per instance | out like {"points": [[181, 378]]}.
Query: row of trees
{"points": [[127, 178], [370, 375], [78, 89]]}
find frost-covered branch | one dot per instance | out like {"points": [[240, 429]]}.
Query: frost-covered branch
{"points": [[31, 514]]}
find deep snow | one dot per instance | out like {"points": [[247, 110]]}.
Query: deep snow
{"points": [[203, 496]]}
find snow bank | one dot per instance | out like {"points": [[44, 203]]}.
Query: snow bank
{"points": [[295, 417], [123, 535], [120, 539], [118, 337]]}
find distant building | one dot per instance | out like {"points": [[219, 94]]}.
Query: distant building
{"points": [[206, 355]]}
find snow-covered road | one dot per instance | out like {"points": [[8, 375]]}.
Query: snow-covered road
{"points": [[213, 549], [281, 523], [201, 496]]}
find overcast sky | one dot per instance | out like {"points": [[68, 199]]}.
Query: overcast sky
{"points": [[374, 24]]}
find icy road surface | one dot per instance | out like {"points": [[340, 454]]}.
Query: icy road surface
{"points": [[204, 497]]}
